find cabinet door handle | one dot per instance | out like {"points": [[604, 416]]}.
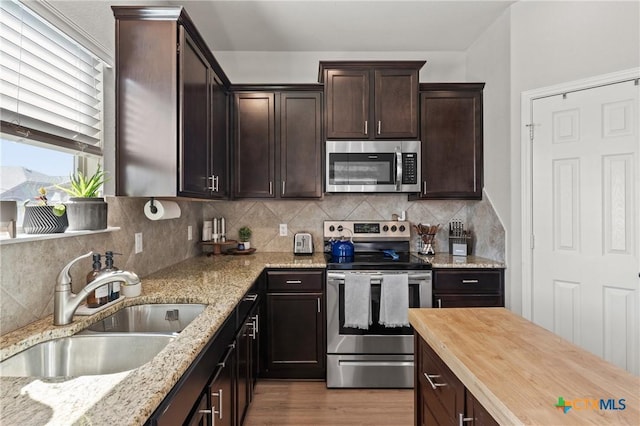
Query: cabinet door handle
{"points": [[439, 303], [379, 126], [213, 183], [294, 282], [469, 281], [366, 127], [462, 419], [270, 188], [424, 187], [433, 384], [283, 183], [219, 412], [250, 297], [255, 323], [216, 183], [318, 300]]}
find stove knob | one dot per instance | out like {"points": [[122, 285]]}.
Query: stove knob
{"points": [[402, 228], [340, 228], [394, 228], [332, 228], [385, 228]]}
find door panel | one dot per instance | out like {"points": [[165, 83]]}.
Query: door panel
{"points": [[585, 220]]}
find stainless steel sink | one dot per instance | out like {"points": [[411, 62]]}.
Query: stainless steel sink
{"points": [[149, 318], [85, 355]]}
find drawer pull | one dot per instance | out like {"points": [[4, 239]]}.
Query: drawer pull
{"points": [[433, 384], [250, 297], [294, 282], [469, 281], [462, 419]]}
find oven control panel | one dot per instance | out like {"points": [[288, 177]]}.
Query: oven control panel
{"points": [[369, 230]]}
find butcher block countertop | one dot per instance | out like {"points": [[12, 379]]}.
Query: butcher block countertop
{"points": [[518, 370]]}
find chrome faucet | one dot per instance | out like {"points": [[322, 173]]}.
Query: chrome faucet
{"points": [[65, 302]]}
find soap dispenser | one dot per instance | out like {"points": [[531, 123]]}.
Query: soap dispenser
{"points": [[114, 286], [99, 296]]}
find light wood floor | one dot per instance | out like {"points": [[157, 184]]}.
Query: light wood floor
{"points": [[311, 403]]}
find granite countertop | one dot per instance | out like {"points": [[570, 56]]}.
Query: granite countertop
{"points": [[517, 370], [132, 396]]}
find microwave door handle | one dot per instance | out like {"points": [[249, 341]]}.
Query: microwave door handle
{"points": [[398, 170]]}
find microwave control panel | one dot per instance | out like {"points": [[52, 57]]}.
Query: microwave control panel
{"points": [[409, 168]]}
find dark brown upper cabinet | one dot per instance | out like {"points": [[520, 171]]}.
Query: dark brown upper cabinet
{"points": [[451, 136], [171, 107], [371, 100], [277, 141]]}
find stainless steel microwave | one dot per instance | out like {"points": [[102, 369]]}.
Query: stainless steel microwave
{"points": [[373, 166]]}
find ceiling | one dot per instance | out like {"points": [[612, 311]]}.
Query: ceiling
{"points": [[342, 25]]}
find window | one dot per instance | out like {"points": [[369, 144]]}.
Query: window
{"points": [[51, 106]]}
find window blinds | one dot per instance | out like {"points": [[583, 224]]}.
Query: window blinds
{"points": [[51, 87]]}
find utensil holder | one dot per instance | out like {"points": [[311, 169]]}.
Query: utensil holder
{"points": [[428, 246]]}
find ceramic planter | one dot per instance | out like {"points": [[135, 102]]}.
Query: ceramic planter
{"points": [[42, 220], [87, 214]]}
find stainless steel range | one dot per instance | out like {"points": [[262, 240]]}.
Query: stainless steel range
{"points": [[370, 354]]}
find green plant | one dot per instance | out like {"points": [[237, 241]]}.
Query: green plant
{"points": [[244, 233], [83, 186], [58, 209]]}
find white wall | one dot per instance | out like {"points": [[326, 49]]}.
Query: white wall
{"points": [[302, 67], [556, 42], [488, 60]]}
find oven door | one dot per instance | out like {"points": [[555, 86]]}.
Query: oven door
{"points": [[377, 339]]}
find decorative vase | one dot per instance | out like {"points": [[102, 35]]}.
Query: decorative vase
{"points": [[87, 214], [247, 245], [42, 220]]}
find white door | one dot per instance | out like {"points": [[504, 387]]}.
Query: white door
{"points": [[585, 178]]}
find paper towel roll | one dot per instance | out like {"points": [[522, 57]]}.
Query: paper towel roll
{"points": [[165, 210]]}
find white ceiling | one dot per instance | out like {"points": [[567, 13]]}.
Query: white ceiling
{"points": [[342, 25]]}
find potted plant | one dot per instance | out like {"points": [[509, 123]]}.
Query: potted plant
{"points": [[86, 210], [44, 218], [244, 235]]}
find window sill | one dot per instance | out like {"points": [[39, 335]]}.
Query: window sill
{"points": [[24, 238]]}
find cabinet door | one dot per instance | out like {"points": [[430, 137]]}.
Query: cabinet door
{"points": [[442, 393], [201, 413], [476, 414], [451, 134], [221, 390], [219, 171], [194, 147], [396, 103], [347, 97], [295, 336], [254, 135], [300, 145], [243, 355]]}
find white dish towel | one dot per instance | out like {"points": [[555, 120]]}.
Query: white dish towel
{"points": [[394, 300], [357, 300]]}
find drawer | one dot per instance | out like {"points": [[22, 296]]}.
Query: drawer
{"points": [[295, 280], [468, 281], [447, 399]]}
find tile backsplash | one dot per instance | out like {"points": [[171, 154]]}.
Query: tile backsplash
{"points": [[28, 270], [264, 218]]}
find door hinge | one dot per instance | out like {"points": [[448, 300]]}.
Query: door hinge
{"points": [[531, 127], [178, 48], [533, 241]]}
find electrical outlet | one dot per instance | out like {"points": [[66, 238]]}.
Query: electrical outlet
{"points": [[138, 240], [283, 230], [189, 233]]}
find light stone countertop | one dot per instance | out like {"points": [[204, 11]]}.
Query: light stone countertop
{"points": [[131, 397]]}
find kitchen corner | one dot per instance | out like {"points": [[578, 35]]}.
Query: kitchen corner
{"points": [[131, 397]]}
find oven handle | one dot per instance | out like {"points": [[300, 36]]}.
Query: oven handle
{"points": [[378, 276], [376, 363]]}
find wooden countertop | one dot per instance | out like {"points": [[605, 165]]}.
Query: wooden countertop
{"points": [[518, 370]]}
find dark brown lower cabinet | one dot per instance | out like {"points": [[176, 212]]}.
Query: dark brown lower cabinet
{"points": [[440, 397], [294, 341], [464, 288]]}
